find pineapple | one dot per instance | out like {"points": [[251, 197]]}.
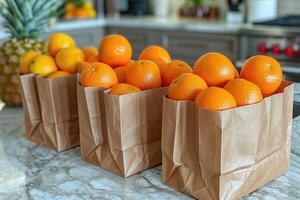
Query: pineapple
{"points": [[25, 21]]}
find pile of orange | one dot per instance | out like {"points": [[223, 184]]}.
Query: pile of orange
{"points": [[216, 85], [61, 60], [113, 67], [108, 65], [79, 9]]}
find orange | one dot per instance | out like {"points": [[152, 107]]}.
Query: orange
{"points": [[123, 88], [244, 92], [121, 72], [43, 65], [161, 63], [215, 99], [236, 73], [264, 71], [69, 6], [144, 74], [98, 74], [81, 12], [68, 15], [68, 58], [215, 68], [81, 66], [90, 53], [59, 41], [172, 70], [114, 50], [186, 87], [25, 61], [93, 59], [92, 13], [153, 52], [58, 74], [88, 5]]}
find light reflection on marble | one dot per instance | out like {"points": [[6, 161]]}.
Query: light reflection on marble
{"points": [[1, 105], [65, 176], [297, 92]]}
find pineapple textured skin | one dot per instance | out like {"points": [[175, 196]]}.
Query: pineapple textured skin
{"points": [[26, 21], [10, 53]]}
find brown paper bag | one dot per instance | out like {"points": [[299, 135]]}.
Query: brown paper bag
{"points": [[120, 133], [227, 154], [50, 110]]}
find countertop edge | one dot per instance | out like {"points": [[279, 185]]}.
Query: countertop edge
{"points": [[143, 23]]}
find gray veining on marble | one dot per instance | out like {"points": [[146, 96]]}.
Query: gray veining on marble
{"points": [[64, 176]]}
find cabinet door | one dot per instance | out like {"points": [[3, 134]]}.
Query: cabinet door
{"points": [[138, 38], [189, 46], [85, 37]]}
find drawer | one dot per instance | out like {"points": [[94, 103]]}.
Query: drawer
{"points": [[139, 38], [89, 37], [135, 37], [194, 45]]}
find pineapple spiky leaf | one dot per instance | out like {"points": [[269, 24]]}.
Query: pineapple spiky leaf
{"points": [[27, 18]]}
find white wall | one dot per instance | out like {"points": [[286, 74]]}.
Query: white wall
{"points": [[288, 7], [285, 7]]}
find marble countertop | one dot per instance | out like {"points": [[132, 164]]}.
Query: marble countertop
{"points": [[67, 25], [182, 24], [163, 23], [64, 176], [147, 22]]}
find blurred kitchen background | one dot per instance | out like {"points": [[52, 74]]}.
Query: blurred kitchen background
{"points": [[190, 28]]}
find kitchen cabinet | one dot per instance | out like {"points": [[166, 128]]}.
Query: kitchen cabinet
{"points": [[139, 38], [84, 37], [180, 40], [189, 46], [184, 45]]}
